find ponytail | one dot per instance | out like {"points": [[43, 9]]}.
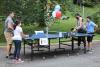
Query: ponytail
{"points": [[16, 23]]}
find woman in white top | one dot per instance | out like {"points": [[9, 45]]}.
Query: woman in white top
{"points": [[17, 38]]}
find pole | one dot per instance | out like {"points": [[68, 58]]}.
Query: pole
{"points": [[83, 9]]}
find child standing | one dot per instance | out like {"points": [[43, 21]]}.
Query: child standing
{"points": [[17, 38]]}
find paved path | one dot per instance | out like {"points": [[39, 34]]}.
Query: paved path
{"points": [[63, 60]]}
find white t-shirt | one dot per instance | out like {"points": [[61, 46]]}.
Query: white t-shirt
{"points": [[17, 33]]}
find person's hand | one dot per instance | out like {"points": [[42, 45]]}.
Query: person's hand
{"points": [[26, 36], [84, 26], [74, 30]]}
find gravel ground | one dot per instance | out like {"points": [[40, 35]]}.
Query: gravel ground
{"points": [[56, 59]]}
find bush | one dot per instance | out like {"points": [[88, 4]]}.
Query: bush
{"points": [[2, 38], [96, 18], [29, 29], [89, 4]]}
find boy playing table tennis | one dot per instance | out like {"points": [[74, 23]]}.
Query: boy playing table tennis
{"points": [[90, 27]]}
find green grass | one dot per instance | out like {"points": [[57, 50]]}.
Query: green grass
{"points": [[97, 37], [64, 25]]}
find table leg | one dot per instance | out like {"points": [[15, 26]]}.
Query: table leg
{"points": [[60, 46], [38, 46], [72, 43], [24, 47], [84, 41], [32, 52], [49, 45]]}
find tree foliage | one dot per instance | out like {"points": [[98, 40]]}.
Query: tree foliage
{"points": [[28, 10], [34, 11], [87, 3], [96, 18]]}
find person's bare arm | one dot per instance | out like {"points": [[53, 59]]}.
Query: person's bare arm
{"points": [[10, 26], [23, 35], [96, 27], [80, 23]]}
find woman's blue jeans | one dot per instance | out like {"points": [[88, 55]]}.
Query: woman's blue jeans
{"points": [[17, 44]]}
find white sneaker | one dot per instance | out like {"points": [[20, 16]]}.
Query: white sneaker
{"points": [[19, 61], [90, 51]]}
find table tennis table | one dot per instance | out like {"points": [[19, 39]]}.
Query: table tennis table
{"points": [[55, 36], [37, 37]]}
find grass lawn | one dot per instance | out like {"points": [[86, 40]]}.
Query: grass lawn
{"points": [[97, 37]]}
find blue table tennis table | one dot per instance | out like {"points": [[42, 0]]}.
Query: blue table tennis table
{"points": [[55, 36], [37, 37]]}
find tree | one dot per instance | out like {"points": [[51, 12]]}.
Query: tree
{"points": [[96, 18], [28, 10]]}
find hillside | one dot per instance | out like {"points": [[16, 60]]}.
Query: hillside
{"points": [[63, 25]]}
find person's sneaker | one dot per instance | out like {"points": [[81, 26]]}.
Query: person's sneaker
{"points": [[7, 57], [20, 61], [90, 51], [87, 50], [11, 54]]}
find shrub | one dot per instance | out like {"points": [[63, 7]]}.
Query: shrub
{"points": [[29, 29], [96, 18]]}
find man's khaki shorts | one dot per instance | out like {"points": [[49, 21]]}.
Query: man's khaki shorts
{"points": [[8, 37]]}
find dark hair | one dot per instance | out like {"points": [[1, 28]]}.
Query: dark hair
{"points": [[76, 15], [72, 29], [16, 23], [88, 17]]}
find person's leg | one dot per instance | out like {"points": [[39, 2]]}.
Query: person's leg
{"points": [[18, 52], [79, 42], [9, 42], [15, 51], [90, 43], [79, 38], [90, 47], [10, 47], [18, 48], [84, 42]]}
